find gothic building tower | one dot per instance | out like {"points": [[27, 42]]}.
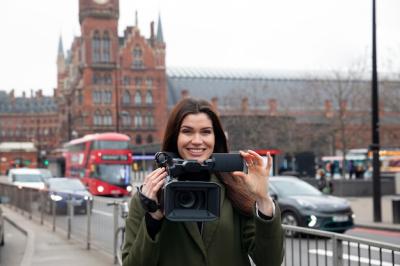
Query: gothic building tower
{"points": [[113, 83]]}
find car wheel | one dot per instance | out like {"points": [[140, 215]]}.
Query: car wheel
{"points": [[290, 218]]}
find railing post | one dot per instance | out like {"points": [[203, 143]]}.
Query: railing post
{"points": [[337, 251], [70, 209], [42, 206], [115, 213], [53, 210], [89, 214], [30, 203]]}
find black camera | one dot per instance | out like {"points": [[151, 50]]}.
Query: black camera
{"points": [[186, 196]]}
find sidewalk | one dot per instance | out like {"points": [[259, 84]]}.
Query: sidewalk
{"points": [[46, 248], [363, 209]]}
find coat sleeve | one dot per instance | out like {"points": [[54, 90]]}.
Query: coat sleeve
{"points": [[139, 248], [263, 239]]}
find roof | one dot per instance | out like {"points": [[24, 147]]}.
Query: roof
{"points": [[42, 104], [99, 136]]}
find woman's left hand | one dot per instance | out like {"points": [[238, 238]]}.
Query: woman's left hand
{"points": [[256, 179]]}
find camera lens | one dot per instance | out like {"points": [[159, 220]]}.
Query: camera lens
{"points": [[186, 199]]}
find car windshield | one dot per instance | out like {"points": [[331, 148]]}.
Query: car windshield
{"points": [[294, 187], [67, 185], [27, 178], [116, 174]]}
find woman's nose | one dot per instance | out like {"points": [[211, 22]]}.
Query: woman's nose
{"points": [[197, 138]]}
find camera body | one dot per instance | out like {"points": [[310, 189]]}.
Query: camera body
{"points": [[186, 196]]}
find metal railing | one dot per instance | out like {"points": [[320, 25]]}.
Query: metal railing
{"points": [[96, 227]]}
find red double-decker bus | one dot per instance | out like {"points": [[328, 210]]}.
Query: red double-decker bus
{"points": [[102, 162]]}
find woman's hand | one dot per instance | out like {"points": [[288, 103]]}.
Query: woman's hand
{"points": [[256, 179], [151, 185]]}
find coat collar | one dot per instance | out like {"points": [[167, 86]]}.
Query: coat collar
{"points": [[204, 240]]}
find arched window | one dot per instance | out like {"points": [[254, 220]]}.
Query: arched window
{"points": [[149, 120], [106, 47], [149, 139], [126, 98], [149, 98], [107, 119], [138, 98], [138, 120], [96, 47], [104, 96], [97, 118], [126, 118], [138, 139], [137, 57]]}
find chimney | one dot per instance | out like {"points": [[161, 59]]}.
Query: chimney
{"points": [[23, 94], [12, 95], [328, 108], [39, 93], [214, 103], [152, 33], [245, 105], [184, 94], [272, 106]]}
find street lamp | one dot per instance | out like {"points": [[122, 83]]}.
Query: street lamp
{"points": [[376, 184]]}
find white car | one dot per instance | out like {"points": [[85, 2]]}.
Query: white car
{"points": [[26, 177]]}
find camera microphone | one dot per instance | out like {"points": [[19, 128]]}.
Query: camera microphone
{"points": [[227, 162]]}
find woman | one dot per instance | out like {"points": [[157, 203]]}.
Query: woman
{"points": [[249, 222]]}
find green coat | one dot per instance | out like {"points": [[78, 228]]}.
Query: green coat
{"points": [[226, 241]]}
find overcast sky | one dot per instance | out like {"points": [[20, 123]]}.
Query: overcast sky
{"points": [[300, 35]]}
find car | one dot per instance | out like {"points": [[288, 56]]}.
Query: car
{"points": [[26, 177], [45, 173], [62, 189], [301, 204]]}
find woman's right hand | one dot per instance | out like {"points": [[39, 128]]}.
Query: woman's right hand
{"points": [[151, 185]]}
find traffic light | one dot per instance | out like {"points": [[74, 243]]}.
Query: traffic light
{"points": [[45, 162]]}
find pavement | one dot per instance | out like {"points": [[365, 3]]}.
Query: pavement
{"points": [[47, 248]]}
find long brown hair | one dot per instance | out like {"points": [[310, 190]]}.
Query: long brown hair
{"points": [[236, 192]]}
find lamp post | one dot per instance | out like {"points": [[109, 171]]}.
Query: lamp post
{"points": [[376, 184]]}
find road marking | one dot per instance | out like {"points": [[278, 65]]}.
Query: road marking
{"points": [[372, 248], [103, 213], [345, 256]]}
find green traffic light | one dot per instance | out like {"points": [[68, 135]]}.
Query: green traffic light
{"points": [[46, 162]]}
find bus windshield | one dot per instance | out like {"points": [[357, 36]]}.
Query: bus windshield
{"points": [[117, 174], [110, 145]]}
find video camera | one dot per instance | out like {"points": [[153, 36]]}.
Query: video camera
{"points": [[186, 196]]}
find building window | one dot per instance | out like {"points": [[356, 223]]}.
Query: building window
{"points": [[97, 118], [106, 47], [80, 97], [138, 120], [126, 119], [138, 98], [126, 98], [107, 119], [127, 80], [149, 139], [149, 83], [138, 83], [149, 120], [96, 96], [138, 139], [149, 98], [137, 57], [96, 47]]}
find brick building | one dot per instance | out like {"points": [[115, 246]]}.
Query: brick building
{"points": [[109, 82]]}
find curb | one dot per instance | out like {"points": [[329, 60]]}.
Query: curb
{"points": [[378, 227], [30, 242]]}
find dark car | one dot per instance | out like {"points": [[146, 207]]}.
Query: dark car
{"points": [[62, 190], [303, 205]]}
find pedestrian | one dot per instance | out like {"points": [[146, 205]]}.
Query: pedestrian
{"points": [[249, 222], [351, 169]]}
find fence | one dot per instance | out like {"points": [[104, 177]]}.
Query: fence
{"points": [[96, 225]]}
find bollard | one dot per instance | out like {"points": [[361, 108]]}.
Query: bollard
{"points": [[42, 206], [53, 210], [115, 213], [70, 209]]}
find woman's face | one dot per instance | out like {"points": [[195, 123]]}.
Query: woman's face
{"points": [[196, 137]]}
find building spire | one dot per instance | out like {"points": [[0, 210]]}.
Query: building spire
{"points": [[159, 37], [60, 47], [136, 19]]}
